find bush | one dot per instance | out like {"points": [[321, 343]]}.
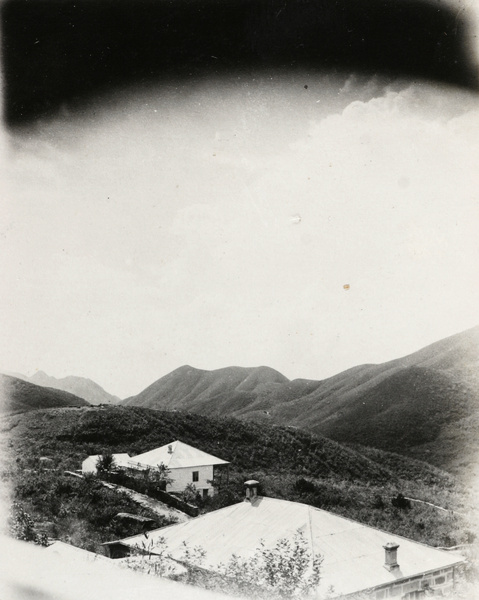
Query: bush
{"points": [[22, 527], [303, 486], [401, 502], [286, 571], [378, 502], [106, 462]]}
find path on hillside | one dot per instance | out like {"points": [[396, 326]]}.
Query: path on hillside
{"points": [[434, 506], [159, 508]]}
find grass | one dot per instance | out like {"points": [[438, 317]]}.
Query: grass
{"points": [[358, 483]]}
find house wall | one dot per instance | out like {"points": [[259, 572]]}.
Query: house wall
{"points": [[89, 464], [182, 477], [416, 587]]}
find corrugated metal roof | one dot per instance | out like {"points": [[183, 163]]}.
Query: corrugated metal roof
{"points": [[353, 554], [63, 549], [178, 455]]}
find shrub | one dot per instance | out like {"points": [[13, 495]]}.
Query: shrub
{"points": [[303, 486], [189, 494], [106, 463], [401, 502], [22, 527], [286, 571], [378, 502]]}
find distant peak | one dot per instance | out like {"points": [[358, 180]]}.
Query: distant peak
{"points": [[42, 374], [188, 368]]}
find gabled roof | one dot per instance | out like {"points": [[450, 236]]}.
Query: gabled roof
{"points": [[353, 554], [177, 455]]}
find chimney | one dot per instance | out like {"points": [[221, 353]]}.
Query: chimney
{"points": [[251, 490], [170, 449], [391, 558]]}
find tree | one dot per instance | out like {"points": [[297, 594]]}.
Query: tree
{"points": [[190, 493], [161, 474], [106, 463]]}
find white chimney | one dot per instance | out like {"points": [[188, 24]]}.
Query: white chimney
{"points": [[391, 559], [251, 490]]}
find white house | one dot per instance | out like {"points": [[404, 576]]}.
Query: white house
{"points": [[356, 558], [185, 463]]}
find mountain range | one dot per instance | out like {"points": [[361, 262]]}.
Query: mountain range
{"points": [[424, 404], [79, 386], [18, 396]]}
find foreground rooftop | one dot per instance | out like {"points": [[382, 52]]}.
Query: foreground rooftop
{"points": [[353, 553]]}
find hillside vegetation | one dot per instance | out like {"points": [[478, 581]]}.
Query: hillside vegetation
{"points": [[289, 463], [423, 405], [17, 395]]}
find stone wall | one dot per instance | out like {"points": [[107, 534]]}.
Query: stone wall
{"points": [[416, 587]]}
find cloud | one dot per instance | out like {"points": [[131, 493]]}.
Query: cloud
{"points": [[222, 229]]}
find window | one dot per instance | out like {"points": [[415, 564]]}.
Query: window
{"points": [[196, 475]]}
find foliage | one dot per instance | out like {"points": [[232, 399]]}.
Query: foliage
{"points": [[289, 464], [190, 494], [77, 511], [401, 502], [378, 502], [106, 462], [286, 571], [143, 482], [22, 527], [162, 474]]}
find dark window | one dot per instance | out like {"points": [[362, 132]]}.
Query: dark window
{"points": [[196, 475]]}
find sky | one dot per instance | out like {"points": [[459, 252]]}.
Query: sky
{"points": [[308, 222]]}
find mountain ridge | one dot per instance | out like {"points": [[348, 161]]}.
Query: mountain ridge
{"points": [[82, 387], [18, 396], [402, 405]]}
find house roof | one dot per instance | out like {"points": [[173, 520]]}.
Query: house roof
{"points": [[64, 575], [177, 455], [62, 549], [353, 554]]}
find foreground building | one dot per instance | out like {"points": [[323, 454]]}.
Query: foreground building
{"points": [[356, 558], [186, 465], [62, 572]]}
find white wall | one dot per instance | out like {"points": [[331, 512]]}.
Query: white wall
{"points": [[89, 464], [182, 477]]}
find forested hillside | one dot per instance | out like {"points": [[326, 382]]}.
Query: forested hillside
{"points": [[289, 464]]}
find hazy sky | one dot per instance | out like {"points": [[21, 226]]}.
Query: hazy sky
{"points": [[217, 223]]}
